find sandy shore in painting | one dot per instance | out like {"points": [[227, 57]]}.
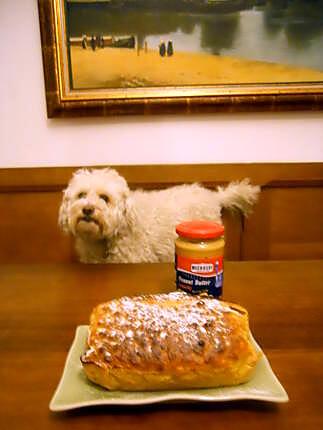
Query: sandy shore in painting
{"points": [[113, 67]]}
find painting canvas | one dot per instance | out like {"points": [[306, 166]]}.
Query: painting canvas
{"points": [[130, 45]]}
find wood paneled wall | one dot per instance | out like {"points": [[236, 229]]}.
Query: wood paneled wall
{"points": [[286, 222]]}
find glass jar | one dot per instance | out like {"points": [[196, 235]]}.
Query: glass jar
{"points": [[199, 251]]}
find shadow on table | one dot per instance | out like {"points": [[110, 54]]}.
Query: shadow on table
{"points": [[253, 406]]}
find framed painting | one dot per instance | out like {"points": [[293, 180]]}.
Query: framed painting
{"points": [[111, 57]]}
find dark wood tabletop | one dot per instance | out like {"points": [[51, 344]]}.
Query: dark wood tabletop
{"points": [[41, 305]]}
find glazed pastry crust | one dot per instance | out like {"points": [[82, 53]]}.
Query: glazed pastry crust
{"points": [[168, 341]]}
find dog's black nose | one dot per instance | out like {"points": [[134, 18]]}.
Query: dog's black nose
{"points": [[88, 210]]}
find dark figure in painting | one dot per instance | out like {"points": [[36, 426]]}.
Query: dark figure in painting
{"points": [[101, 41], [170, 49], [84, 41], [93, 43], [162, 49]]}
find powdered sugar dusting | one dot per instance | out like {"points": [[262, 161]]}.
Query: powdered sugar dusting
{"points": [[154, 330]]}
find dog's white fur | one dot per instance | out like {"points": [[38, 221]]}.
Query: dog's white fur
{"points": [[138, 226]]}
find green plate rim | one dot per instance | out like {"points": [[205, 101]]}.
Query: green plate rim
{"points": [[193, 395]]}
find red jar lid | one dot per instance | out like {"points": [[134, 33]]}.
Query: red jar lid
{"points": [[200, 229]]}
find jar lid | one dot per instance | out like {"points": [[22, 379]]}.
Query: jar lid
{"points": [[200, 229]]}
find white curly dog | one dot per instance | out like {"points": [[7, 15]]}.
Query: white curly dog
{"points": [[110, 223]]}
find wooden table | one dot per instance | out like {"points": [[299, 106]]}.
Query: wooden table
{"points": [[41, 305]]}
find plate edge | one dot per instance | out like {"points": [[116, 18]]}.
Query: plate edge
{"points": [[76, 334], [56, 408]]}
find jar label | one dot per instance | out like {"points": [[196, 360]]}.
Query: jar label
{"points": [[197, 275]]}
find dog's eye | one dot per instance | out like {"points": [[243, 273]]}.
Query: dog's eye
{"points": [[104, 197], [81, 195]]}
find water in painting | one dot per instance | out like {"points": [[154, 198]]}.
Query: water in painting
{"points": [[151, 43]]}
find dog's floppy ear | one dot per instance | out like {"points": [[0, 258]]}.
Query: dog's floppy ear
{"points": [[120, 186], [63, 212], [67, 194], [130, 215]]}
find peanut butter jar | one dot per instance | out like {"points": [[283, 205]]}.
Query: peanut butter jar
{"points": [[199, 251]]}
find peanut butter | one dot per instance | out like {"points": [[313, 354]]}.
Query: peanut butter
{"points": [[199, 253]]}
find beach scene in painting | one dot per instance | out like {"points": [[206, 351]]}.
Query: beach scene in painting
{"points": [[157, 43]]}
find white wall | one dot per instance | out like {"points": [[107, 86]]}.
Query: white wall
{"points": [[28, 138]]}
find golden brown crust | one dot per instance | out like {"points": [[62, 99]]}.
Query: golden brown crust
{"points": [[168, 341]]}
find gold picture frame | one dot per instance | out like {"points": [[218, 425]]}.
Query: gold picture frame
{"points": [[62, 101]]}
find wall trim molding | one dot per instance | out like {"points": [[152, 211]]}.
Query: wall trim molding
{"points": [[40, 179]]}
